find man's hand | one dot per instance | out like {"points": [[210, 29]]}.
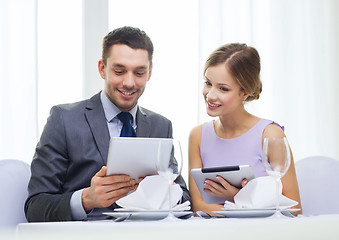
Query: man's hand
{"points": [[106, 190]]}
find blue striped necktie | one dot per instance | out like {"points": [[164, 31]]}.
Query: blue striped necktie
{"points": [[127, 129]]}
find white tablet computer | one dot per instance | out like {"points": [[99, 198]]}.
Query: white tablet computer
{"points": [[136, 156], [233, 174]]}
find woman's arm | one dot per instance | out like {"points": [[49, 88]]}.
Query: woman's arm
{"points": [[198, 203], [289, 180]]}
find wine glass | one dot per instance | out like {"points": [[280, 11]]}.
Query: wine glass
{"points": [[170, 168], [276, 160]]}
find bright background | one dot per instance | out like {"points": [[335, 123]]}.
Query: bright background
{"points": [[50, 49]]}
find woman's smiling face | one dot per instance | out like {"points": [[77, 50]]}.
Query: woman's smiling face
{"points": [[221, 92]]}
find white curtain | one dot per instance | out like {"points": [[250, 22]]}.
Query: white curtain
{"points": [[18, 79], [59, 55], [297, 41], [298, 44]]}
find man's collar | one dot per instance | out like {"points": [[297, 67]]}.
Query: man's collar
{"points": [[111, 111]]}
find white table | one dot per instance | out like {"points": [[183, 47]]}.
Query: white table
{"points": [[315, 227]]}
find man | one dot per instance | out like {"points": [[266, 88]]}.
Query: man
{"points": [[69, 179]]}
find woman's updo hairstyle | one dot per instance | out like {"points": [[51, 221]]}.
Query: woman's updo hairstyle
{"points": [[243, 63]]}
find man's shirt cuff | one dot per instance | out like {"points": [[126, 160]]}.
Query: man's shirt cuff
{"points": [[77, 210]]}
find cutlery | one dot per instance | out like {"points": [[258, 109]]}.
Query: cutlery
{"points": [[287, 214], [122, 218], [203, 214], [187, 216]]}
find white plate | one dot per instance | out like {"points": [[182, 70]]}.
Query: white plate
{"points": [[129, 210], [247, 213], [247, 209], [146, 215]]}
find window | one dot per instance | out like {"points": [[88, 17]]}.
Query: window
{"points": [[173, 88]]}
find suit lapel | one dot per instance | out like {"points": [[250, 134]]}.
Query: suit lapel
{"points": [[96, 119], [143, 126]]}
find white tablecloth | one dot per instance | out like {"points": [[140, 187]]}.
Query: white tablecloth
{"points": [[314, 227]]}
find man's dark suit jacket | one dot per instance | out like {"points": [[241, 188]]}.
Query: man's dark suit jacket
{"points": [[72, 149]]}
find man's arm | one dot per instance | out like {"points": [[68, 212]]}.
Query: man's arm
{"points": [[46, 201], [63, 165]]}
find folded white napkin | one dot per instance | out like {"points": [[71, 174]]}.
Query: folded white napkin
{"points": [[260, 193], [152, 194]]}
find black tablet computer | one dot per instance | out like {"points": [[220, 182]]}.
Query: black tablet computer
{"points": [[233, 174]]}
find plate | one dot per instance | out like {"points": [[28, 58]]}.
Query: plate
{"points": [[247, 209], [146, 215], [248, 213], [129, 210]]}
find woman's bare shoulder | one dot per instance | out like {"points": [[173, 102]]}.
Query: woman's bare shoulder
{"points": [[195, 134], [273, 130]]}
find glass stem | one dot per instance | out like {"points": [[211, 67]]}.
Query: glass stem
{"points": [[169, 198], [277, 195]]}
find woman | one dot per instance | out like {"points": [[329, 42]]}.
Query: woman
{"points": [[232, 77]]}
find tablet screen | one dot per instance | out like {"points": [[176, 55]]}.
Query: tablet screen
{"points": [[135, 156]]}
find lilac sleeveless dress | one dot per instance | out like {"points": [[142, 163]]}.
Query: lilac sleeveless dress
{"points": [[243, 150]]}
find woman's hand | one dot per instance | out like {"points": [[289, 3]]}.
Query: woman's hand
{"points": [[222, 189]]}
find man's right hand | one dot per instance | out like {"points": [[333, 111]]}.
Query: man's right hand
{"points": [[106, 190]]}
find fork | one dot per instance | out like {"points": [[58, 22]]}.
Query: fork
{"points": [[122, 218]]}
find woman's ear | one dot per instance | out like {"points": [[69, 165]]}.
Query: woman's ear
{"points": [[244, 95]]}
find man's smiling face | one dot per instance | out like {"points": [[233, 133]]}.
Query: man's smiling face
{"points": [[126, 73]]}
